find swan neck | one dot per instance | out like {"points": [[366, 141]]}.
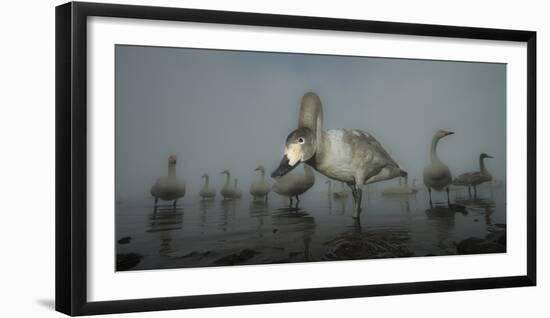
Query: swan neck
{"points": [[311, 116], [482, 165], [433, 150], [171, 170], [263, 174]]}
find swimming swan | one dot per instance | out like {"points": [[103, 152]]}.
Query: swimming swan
{"points": [[227, 190], [207, 192], [294, 184], [437, 175], [350, 156], [473, 179], [260, 189], [169, 187]]}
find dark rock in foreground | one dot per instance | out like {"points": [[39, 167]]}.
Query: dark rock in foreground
{"points": [[127, 261], [124, 240], [235, 258], [476, 245]]}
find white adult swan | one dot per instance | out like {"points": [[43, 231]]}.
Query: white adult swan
{"points": [[350, 156], [294, 184], [227, 190], [473, 179], [169, 187], [260, 189], [437, 175], [207, 192]]}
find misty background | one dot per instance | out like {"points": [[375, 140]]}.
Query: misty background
{"points": [[233, 110]]}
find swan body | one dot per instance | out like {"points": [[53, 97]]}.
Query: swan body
{"points": [[170, 187], [347, 155], [437, 175], [207, 192], [473, 179], [294, 184], [261, 188], [227, 190]]}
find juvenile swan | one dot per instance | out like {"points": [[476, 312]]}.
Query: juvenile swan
{"points": [[260, 189], [227, 190], [350, 156], [206, 191], [169, 187], [294, 184], [473, 179], [437, 175]]}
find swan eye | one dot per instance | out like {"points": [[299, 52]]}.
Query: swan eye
{"points": [[300, 140]]}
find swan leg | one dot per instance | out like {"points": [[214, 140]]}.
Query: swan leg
{"points": [[430, 194], [448, 197], [297, 201], [290, 198], [470, 191], [156, 201], [266, 198], [175, 202], [475, 191]]}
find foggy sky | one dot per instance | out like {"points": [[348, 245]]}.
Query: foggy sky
{"points": [[232, 110]]}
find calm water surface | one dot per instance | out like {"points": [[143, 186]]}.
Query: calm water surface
{"points": [[212, 233]]}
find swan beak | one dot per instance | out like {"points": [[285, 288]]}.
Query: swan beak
{"points": [[284, 168], [449, 133]]}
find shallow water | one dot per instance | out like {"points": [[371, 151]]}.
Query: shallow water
{"points": [[212, 233]]}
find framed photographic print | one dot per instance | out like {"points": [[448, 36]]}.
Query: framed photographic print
{"points": [[226, 158]]}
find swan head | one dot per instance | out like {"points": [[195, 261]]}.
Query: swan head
{"points": [[226, 172], [259, 168], [484, 155], [204, 176], [442, 133], [172, 160], [300, 147]]}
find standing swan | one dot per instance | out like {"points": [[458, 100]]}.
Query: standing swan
{"points": [[169, 187], [260, 189], [350, 156], [473, 179], [227, 189], [437, 175], [206, 191], [294, 184]]}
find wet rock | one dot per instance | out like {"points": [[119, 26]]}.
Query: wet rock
{"points": [[292, 254], [498, 237], [126, 261], [124, 240], [476, 220], [195, 254], [235, 258], [476, 245]]}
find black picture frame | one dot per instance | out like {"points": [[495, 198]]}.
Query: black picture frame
{"points": [[71, 157]]}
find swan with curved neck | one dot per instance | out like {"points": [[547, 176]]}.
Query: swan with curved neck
{"points": [[227, 190], [169, 188], [261, 188], [437, 175], [292, 185], [207, 192], [473, 179], [346, 155]]}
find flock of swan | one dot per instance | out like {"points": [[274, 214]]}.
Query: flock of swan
{"points": [[348, 156]]}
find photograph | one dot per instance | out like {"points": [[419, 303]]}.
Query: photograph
{"points": [[232, 158]]}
